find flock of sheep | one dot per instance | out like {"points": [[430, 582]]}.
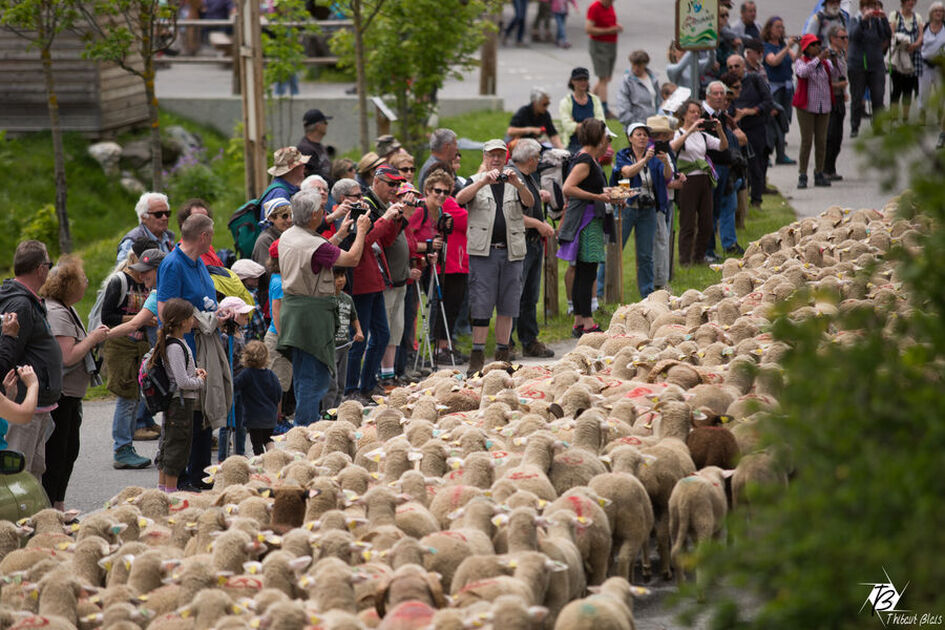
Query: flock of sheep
{"points": [[525, 498]]}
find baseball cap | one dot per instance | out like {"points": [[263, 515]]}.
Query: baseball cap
{"points": [[285, 159], [149, 259], [634, 126], [274, 249], [313, 116], [493, 145], [391, 173], [235, 304], [580, 73], [247, 268]]}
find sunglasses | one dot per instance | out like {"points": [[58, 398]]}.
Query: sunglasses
{"points": [[842, 36], [161, 214], [388, 182], [48, 264], [283, 216], [408, 169], [354, 195], [439, 191]]}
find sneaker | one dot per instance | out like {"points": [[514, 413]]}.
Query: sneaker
{"points": [[834, 177], [538, 349], [769, 191], [711, 258], [854, 133], [147, 433], [282, 427], [593, 329], [477, 359], [755, 203], [735, 250], [821, 180], [125, 457], [785, 160], [577, 331], [503, 354], [387, 384], [802, 181]]}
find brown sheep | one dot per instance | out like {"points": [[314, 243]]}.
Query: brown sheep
{"points": [[713, 446]]}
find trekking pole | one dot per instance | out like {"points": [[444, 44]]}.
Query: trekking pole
{"points": [[446, 327]]}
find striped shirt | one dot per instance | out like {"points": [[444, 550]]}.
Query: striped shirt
{"points": [[818, 75]]}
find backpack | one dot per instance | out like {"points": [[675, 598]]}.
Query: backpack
{"points": [[244, 224], [95, 315], [155, 384]]}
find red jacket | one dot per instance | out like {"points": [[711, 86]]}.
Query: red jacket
{"points": [[457, 258], [367, 274]]}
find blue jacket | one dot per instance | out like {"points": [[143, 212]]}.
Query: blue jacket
{"points": [[867, 38], [625, 157]]}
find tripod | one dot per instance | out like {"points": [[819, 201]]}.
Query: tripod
{"points": [[427, 347]]}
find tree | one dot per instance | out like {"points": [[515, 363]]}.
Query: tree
{"points": [[130, 33], [411, 47], [351, 46], [39, 22], [863, 420]]}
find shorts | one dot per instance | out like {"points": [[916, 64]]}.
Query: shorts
{"points": [[495, 282], [603, 58], [280, 365], [176, 437], [394, 300]]}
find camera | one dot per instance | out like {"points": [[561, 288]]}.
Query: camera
{"points": [[661, 146], [444, 225], [357, 209], [502, 177], [645, 200], [417, 203]]}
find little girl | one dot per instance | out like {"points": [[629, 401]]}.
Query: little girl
{"points": [[177, 432], [17, 413], [260, 395]]}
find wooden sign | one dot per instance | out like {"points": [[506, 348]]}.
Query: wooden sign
{"points": [[697, 24]]}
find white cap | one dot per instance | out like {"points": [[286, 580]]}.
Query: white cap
{"points": [[247, 268], [235, 304]]}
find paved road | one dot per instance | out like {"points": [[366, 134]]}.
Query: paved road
{"points": [[648, 25]]}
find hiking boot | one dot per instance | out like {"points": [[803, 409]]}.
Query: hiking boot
{"points": [[538, 349], [147, 433], [801, 182], [388, 384], [505, 354], [821, 180], [125, 457], [477, 358]]}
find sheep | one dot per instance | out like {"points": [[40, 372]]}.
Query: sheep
{"points": [[232, 548], [59, 594], [756, 470], [611, 608], [330, 584], [410, 582], [288, 508], [697, 509], [630, 515], [593, 534], [713, 446]]}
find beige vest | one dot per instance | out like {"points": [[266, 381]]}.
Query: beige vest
{"points": [[482, 211], [296, 247]]}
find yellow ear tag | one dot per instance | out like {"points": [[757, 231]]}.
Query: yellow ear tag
{"points": [[603, 502], [210, 547], [366, 554], [237, 610], [142, 522], [127, 565], [63, 546], [34, 594], [108, 566], [305, 581], [142, 598], [581, 520], [221, 580], [74, 527], [254, 623], [184, 614]]}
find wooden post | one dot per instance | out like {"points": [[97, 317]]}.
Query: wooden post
{"points": [[613, 276], [251, 87], [551, 277], [489, 58]]}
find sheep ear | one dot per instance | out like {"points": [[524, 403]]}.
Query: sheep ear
{"points": [[252, 567], [24, 530], [555, 566], [170, 565], [70, 515], [436, 589], [500, 519], [300, 563], [314, 492], [537, 613], [593, 589], [455, 514], [728, 473]]}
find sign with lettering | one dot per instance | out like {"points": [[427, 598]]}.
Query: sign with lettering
{"points": [[697, 24]]}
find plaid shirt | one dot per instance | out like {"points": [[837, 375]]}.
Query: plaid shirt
{"points": [[913, 34], [819, 76]]}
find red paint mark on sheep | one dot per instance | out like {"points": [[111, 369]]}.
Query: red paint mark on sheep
{"points": [[571, 460], [456, 535], [522, 475], [244, 581], [477, 584], [577, 505], [182, 505], [456, 496], [34, 621], [629, 439]]}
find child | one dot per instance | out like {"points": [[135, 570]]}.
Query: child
{"points": [[259, 394], [17, 413], [177, 432], [347, 317]]}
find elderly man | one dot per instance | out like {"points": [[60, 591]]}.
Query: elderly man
{"points": [[316, 126], [747, 27], [183, 274], [27, 340], [370, 277], [534, 120], [154, 213], [525, 158], [308, 318], [725, 195], [838, 57], [752, 107], [829, 16], [496, 199], [443, 148], [288, 171]]}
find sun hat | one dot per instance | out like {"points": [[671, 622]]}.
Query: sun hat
{"points": [[286, 159]]}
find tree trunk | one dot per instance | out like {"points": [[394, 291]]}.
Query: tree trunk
{"points": [[59, 161], [489, 56], [403, 113], [358, 18], [157, 162]]}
